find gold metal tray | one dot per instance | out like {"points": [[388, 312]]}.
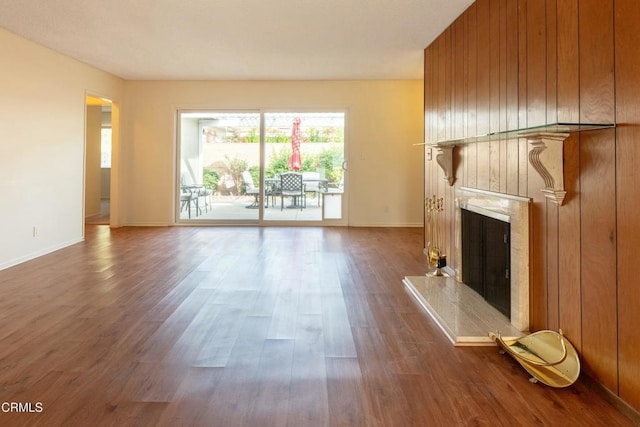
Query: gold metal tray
{"points": [[547, 355]]}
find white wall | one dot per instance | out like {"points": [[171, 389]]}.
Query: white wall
{"points": [[42, 129], [384, 119], [105, 183]]}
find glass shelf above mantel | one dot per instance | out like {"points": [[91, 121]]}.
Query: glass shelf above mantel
{"points": [[519, 133]]}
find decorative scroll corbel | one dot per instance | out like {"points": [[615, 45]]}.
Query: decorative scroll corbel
{"points": [[546, 157], [444, 157]]}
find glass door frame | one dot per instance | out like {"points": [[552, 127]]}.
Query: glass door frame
{"points": [[260, 221]]}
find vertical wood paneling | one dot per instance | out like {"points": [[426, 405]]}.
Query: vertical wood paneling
{"points": [[465, 94], [597, 192], [434, 122], [503, 55], [472, 85], [494, 93], [511, 106], [458, 88], [536, 115], [523, 162], [459, 92], [493, 51], [569, 289], [464, 18], [483, 100], [448, 78], [537, 247], [552, 209], [494, 165], [513, 166], [530, 62], [483, 90], [596, 61], [627, 16], [512, 57], [502, 105], [552, 62], [441, 88], [465, 86], [459, 128], [428, 109], [444, 189], [442, 101], [435, 133], [598, 247], [568, 69], [435, 129], [552, 266], [536, 68]]}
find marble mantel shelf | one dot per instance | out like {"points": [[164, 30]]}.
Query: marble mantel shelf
{"points": [[546, 154]]}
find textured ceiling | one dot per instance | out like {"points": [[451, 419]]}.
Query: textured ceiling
{"points": [[238, 39]]}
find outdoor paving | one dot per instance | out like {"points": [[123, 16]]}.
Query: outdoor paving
{"points": [[235, 208]]}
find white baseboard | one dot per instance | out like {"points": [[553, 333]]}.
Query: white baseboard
{"points": [[39, 253]]}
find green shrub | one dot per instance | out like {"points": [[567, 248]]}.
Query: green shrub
{"points": [[252, 136], [278, 162], [210, 179], [330, 160], [255, 174], [278, 138]]}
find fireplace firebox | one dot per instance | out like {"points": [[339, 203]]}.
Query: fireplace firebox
{"points": [[486, 258], [515, 211]]}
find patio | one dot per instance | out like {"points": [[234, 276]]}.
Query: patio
{"points": [[231, 207]]}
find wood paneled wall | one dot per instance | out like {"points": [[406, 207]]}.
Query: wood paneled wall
{"points": [[508, 64]]}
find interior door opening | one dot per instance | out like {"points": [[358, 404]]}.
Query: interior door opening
{"points": [[98, 148]]}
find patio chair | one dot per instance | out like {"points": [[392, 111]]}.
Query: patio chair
{"points": [[185, 200], [291, 185], [206, 194], [251, 189], [190, 196], [272, 188], [197, 192]]}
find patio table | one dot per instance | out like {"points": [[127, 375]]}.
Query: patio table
{"points": [[272, 187]]}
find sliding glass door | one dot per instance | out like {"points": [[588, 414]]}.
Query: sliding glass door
{"points": [[239, 167], [310, 144], [219, 165]]}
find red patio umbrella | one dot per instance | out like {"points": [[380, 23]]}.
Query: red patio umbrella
{"points": [[295, 163]]}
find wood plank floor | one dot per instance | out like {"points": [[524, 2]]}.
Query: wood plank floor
{"points": [[250, 326]]}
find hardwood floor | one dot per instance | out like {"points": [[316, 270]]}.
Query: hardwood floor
{"points": [[252, 327]]}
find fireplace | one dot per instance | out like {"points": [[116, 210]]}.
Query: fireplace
{"points": [[492, 250]]}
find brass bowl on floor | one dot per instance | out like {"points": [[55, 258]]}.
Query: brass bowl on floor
{"points": [[547, 355]]}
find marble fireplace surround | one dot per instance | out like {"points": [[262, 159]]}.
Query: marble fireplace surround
{"points": [[515, 210]]}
